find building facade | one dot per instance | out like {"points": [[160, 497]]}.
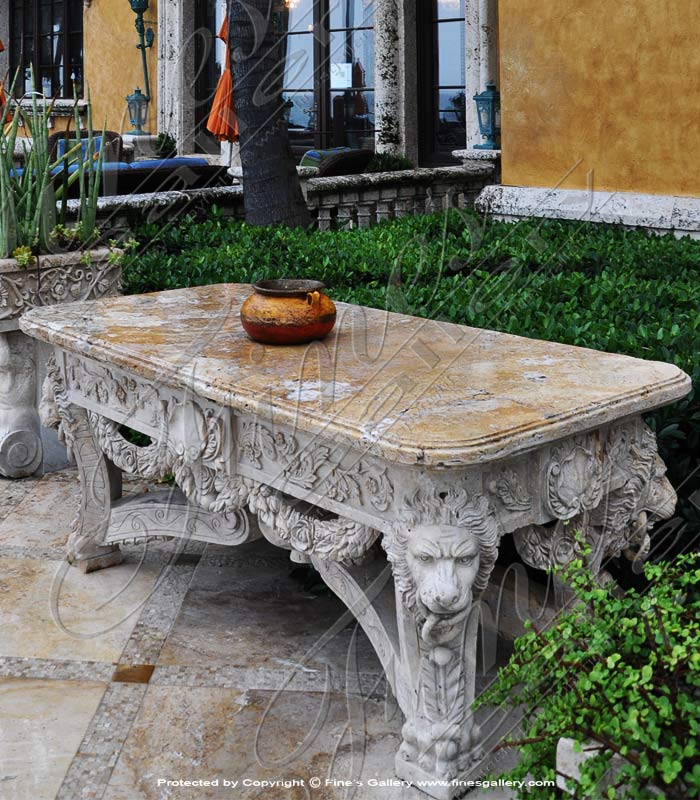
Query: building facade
{"points": [[597, 108], [600, 112], [397, 75], [87, 43]]}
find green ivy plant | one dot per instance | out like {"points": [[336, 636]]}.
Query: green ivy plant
{"points": [[388, 162], [166, 146], [619, 674]]}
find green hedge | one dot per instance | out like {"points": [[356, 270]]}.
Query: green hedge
{"points": [[597, 286]]}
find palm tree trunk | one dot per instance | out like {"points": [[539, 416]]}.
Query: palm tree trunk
{"points": [[271, 188]]}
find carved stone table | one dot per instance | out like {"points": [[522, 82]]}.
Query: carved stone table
{"points": [[52, 279], [426, 440]]}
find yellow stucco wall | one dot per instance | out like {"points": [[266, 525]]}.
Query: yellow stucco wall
{"points": [[612, 85], [113, 64]]}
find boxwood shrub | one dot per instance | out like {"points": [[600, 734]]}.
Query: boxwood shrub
{"points": [[597, 286]]}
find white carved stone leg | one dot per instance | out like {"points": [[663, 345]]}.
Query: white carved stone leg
{"points": [[430, 667], [441, 559], [100, 482], [618, 523], [20, 439], [441, 740], [424, 627]]}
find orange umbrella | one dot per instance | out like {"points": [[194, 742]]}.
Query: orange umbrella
{"points": [[222, 120]]}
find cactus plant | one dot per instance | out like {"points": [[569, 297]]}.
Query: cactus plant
{"points": [[28, 197]]}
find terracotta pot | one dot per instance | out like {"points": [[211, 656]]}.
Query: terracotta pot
{"points": [[288, 311]]}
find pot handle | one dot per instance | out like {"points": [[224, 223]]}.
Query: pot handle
{"points": [[313, 298]]}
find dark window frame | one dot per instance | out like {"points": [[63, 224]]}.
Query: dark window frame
{"points": [[427, 25], [72, 26], [206, 77], [323, 132]]}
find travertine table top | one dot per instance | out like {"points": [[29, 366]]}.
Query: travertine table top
{"points": [[412, 390]]}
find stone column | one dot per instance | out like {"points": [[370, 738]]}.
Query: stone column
{"points": [[481, 57], [5, 37], [176, 71], [389, 136], [409, 78]]}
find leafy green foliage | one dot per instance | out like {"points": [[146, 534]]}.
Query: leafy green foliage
{"points": [[596, 286], [388, 162], [622, 672], [166, 146]]}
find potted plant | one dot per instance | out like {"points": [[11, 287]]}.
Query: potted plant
{"points": [[614, 684], [42, 261]]}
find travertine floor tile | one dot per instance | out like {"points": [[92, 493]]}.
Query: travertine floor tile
{"points": [[43, 517], [42, 725], [12, 493], [51, 610], [210, 734], [251, 613]]}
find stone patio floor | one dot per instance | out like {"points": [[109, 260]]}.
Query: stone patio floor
{"points": [[197, 666]]}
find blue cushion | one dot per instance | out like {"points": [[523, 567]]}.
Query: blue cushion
{"points": [[181, 161], [109, 166], [62, 150], [115, 166], [312, 158]]}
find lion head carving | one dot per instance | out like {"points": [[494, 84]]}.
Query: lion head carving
{"points": [[443, 553]]}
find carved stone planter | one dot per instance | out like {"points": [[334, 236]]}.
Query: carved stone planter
{"points": [[50, 280]]}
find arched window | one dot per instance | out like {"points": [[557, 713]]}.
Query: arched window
{"points": [[47, 35], [329, 73]]}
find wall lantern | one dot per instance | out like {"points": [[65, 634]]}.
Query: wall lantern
{"points": [[138, 111], [138, 101], [488, 110]]}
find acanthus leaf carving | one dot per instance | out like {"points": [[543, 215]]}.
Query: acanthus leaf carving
{"points": [[306, 530], [362, 480], [548, 546], [506, 485], [300, 466], [23, 289], [110, 387], [634, 493], [573, 478]]}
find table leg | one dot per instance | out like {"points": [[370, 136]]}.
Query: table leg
{"points": [[430, 668], [20, 439], [441, 560], [441, 740], [619, 525], [100, 484], [424, 630]]}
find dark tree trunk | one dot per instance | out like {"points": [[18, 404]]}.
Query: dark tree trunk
{"points": [[271, 186]]}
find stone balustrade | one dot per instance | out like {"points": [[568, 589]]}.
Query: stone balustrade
{"points": [[343, 202], [351, 201]]}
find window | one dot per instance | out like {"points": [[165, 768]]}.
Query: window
{"points": [[442, 60], [209, 56], [47, 35], [329, 73]]}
